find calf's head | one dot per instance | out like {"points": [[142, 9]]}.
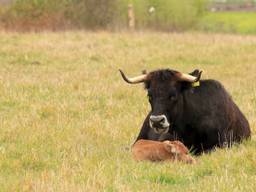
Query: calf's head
{"points": [[164, 89]]}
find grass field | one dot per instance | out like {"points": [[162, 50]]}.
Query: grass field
{"points": [[68, 119], [229, 22]]}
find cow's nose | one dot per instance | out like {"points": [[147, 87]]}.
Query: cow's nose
{"points": [[157, 118]]}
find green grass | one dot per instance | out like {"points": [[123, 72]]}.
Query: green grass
{"points": [[67, 119], [235, 22]]}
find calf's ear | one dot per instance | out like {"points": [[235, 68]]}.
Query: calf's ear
{"points": [[171, 148], [181, 146]]}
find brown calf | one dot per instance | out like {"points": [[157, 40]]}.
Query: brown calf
{"points": [[161, 151]]}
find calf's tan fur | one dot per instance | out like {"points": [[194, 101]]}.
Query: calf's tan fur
{"points": [[161, 151]]}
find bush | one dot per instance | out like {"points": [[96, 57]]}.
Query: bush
{"points": [[101, 14], [169, 14], [94, 14], [35, 14]]}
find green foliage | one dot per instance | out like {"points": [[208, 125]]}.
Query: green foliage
{"points": [[104, 14], [238, 2], [169, 14], [34, 14], [93, 13], [229, 22]]}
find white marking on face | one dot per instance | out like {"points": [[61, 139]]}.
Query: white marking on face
{"points": [[162, 121]]}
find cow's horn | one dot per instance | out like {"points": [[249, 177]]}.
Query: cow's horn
{"points": [[189, 78], [133, 80]]}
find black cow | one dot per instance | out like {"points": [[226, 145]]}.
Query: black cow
{"points": [[202, 116]]}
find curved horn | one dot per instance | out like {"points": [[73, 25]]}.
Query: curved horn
{"points": [[133, 80], [189, 78]]}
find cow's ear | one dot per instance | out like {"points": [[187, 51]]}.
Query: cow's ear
{"points": [[147, 84], [186, 85], [195, 73]]}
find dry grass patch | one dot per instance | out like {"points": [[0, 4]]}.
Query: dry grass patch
{"points": [[67, 119]]}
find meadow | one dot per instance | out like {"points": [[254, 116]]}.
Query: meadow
{"points": [[237, 22], [67, 119]]}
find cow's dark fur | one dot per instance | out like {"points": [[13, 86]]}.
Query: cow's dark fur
{"points": [[201, 117]]}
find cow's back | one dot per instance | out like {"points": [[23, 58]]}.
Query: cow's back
{"points": [[212, 116]]}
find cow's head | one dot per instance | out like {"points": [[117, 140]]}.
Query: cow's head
{"points": [[164, 93]]}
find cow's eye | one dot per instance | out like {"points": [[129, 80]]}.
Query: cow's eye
{"points": [[173, 96]]}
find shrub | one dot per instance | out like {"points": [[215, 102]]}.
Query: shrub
{"points": [[169, 14], [35, 14], [101, 14]]}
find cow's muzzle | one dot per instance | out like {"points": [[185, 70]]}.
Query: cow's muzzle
{"points": [[159, 123]]}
